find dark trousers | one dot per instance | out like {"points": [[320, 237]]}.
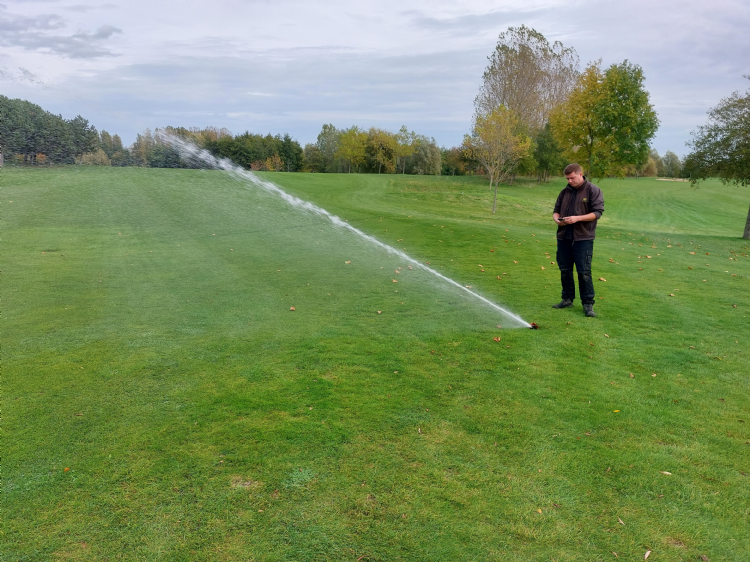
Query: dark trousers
{"points": [[580, 253]]}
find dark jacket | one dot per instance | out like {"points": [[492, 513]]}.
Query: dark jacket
{"points": [[588, 199]]}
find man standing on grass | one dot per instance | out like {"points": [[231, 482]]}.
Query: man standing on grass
{"points": [[577, 209]]}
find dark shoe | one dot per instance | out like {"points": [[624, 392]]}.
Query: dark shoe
{"points": [[589, 310], [565, 303]]}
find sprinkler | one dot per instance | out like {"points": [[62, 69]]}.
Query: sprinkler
{"points": [[533, 326]]}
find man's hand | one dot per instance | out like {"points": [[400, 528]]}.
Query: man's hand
{"points": [[569, 220]]}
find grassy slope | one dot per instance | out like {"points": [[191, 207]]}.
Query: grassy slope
{"points": [[217, 424]]}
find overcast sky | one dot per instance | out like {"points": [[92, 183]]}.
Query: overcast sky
{"points": [[291, 66]]}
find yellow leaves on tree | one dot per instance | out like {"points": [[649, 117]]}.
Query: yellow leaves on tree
{"points": [[498, 144]]}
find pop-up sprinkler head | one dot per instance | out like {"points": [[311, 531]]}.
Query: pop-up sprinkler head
{"points": [[533, 326]]}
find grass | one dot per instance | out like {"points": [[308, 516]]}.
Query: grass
{"points": [[161, 401]]}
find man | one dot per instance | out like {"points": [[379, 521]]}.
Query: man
{"points": [[577, 209]]}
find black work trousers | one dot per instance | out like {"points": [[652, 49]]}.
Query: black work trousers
{"points": [[578, 253]]}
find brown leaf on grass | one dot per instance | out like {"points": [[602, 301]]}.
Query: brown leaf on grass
{"points": [[613, 552], [690, 268], [621, 521], [542, 267], [292, 308], [394, 280], [645, 556], [497, 338], [606, 335], [514, 261], [671, 294], [380, 311], [692, 253], [348, 261], [649, 257], [632, 376], [665, 472], [705, 558], [396, 271]]}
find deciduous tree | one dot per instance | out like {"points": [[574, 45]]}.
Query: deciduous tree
{"points": [[528, 76], [607, 119], [352, 145], [721, 147], [498, 145], [671, 165]]}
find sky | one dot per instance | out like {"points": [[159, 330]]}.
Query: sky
{"points": [[287, 66]]}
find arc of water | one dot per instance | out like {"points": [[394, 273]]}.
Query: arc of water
{"points": [[192, 152]]}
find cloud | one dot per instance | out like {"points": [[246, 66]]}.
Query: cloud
{"points": [[33, 34]]}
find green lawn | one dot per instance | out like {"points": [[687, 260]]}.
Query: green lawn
{"points": [[162, 402]]}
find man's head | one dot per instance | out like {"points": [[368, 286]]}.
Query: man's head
{"points": [[574, 175]]}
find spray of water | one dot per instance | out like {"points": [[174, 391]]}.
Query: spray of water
{"points": [[193, 153]]}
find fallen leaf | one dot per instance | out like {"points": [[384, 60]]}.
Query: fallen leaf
{"points": [[542, 267], [514, 261], [394, 280], [613, 552], [606, 335], [692, 253], [497, 338], [292, 308], [379, 311], [616, 411], [66, 469], [631, 376], [645, 556], [349, 261], [621, 521], [538, 510], [553, 263], [665, 472], [653, 375], [690, 268], [649, 257], [671, 294], [396, 270]]}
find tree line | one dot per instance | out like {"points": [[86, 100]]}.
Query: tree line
{"points": [[29, 135]]}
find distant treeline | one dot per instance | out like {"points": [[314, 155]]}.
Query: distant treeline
{"points": [[29, 135]]}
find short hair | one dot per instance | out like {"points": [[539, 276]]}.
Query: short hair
{"points": [[573, 169]]}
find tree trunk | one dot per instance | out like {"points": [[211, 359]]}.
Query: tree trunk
{"points": [[746, 236], [494, 200]]}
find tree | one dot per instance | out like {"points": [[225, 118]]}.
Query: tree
{"points": [[426, 158], [608, 118], [721, 147], [497, 144], [328, 144], [453, 161], [382, 147], [352, 145], [408, 144], [528, 76], [547, 153], [671, 165]]}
